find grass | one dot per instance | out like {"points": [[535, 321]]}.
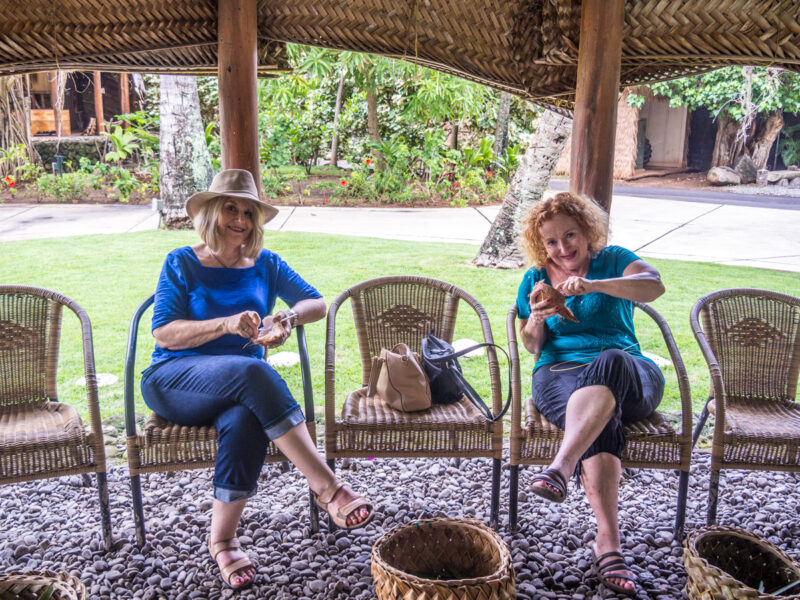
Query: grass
{"points": [[110, 275], [321, 170]]}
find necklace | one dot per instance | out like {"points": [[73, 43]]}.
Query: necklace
{"points": [[222, 263]]}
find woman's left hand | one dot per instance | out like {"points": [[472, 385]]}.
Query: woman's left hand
{"points": [[286, 322], [575, 286]]}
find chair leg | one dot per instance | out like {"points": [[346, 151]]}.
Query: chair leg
{"points": [[87, 481], [680, 517], [700, 423], [332, 464], [513, 497], [138, 510], [457, 462], [105, 512], [285, 466], [495, 505], [713, 496]]}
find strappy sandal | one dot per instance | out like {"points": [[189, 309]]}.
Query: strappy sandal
{"points": [[552, 478], [324, 498], [228, 570], [610, 566]]}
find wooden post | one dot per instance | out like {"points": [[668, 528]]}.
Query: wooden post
{"points": [[595, 122], [238, 95], [98, 102], [54, 100], [124, 96]]}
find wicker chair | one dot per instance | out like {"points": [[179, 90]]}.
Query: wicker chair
{"points": [[751, 341], [164, 446], [650, 444], [388, 310], [41, 437]]}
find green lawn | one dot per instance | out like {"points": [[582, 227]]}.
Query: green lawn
{"points": [[109, 275]]}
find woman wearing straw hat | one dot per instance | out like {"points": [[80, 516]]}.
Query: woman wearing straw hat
{"points": [[210, 301]]}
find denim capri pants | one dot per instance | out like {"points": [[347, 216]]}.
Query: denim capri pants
{"points": [[636, 383], [242, 397]]}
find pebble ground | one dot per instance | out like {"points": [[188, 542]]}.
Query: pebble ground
{"points": [[54, 524]]}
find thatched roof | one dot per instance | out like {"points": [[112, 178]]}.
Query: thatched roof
{"points": [[528, 47]]}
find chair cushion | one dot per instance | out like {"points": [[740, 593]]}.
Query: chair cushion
{"points": [[47, 423], [359, 409]]}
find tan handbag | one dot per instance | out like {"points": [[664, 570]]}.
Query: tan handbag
{"points": [[398, 379]]}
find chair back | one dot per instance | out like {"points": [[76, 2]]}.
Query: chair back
{"points": [[751, 341], [390, 310], [30, 329]]}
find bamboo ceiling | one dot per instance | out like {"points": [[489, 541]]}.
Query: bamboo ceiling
{"points": [[528, 47]]}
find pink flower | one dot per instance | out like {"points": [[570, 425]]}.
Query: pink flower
{"points": [[327, 199]]}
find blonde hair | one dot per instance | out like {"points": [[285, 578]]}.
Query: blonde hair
{"points": [[592, 220], [207, 218]]}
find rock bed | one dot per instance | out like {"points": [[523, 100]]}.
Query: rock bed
{"points": [[54, 524]]}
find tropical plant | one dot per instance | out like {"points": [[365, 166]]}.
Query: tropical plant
{"points": [[125, 142], [69, 187], [789, 145]]}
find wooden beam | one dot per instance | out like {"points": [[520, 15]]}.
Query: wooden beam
{"points": [[238, 95], [124, 96], [595, 122], [54, 100], [98, 102]]}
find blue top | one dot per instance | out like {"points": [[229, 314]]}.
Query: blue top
{"points": [[187, 289], [605, 321]]}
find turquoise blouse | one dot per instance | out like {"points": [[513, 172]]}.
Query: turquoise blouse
{"points": [[606, 322]]}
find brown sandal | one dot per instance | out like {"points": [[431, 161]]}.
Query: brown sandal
{"points": [[228, 570], [324, 498]]}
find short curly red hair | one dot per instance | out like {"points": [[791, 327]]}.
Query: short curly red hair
{"points": [[592, 219]]}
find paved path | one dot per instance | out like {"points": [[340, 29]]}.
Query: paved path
{"points": [[699, 231]]}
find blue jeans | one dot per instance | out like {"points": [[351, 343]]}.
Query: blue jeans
{"points": [[243, 397]]}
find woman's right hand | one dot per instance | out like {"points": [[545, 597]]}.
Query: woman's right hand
{"points": [[245, 324], [541, 311]]}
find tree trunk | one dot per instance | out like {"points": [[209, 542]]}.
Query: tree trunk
{"points": [[727, 146], [501, 131], [372, 127], [185, 161], [500, 249], [452, 139], [766, 134], [336, 112]]}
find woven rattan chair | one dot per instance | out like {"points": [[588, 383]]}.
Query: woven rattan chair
{"points": [[650, 444], [41, 437], [751, 341], [386, 311], [165, 447]]}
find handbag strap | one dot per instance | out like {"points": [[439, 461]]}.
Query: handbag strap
{"points": [[468, 390]]}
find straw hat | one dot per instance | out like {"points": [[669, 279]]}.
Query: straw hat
{"points": [[230, 183]]}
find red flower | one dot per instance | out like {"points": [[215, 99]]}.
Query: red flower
{"points": [[343, 182], [12, 184], [490, 174], [7, 179], [368, 161], [327, 199], [455, 184]]}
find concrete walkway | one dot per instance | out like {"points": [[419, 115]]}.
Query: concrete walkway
{"points": [[720, 233]]}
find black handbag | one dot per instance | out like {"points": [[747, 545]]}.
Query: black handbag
{"points": [[448, 385]]}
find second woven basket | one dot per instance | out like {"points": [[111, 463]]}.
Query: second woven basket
{"points": [[442, 559]]}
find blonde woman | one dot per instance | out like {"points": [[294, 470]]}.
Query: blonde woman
{"points": [[590, 376], [211, 299]]}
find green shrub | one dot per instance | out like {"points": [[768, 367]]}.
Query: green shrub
{"points": [[69, 187]]}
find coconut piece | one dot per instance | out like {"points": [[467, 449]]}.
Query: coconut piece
{"points": [[271, 338], [542, 291]]}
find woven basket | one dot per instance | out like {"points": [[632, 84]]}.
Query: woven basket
{"points": [[31, 584], [725, 563], [442, 559]]}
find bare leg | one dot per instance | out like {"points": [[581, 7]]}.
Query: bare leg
{"points": [[224, 521], [588, 411], [600, 476], [298, 447]]}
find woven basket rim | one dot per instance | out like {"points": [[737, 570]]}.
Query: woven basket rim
{"points": [[500, 573], [694, 537], [63, 583]]}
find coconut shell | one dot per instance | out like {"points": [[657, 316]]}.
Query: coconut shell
{"points": [[542, 291]]}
